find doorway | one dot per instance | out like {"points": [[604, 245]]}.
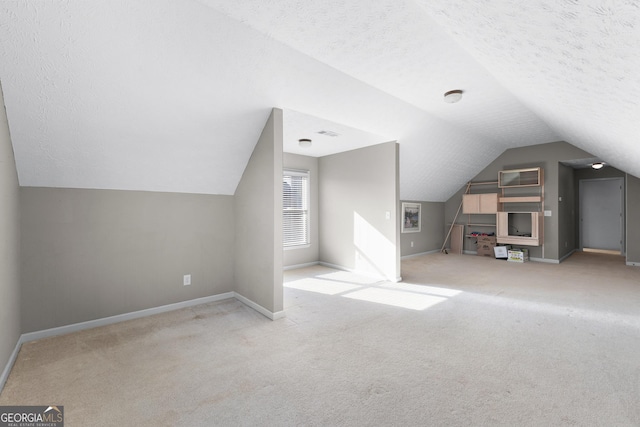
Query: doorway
{"points": [[601, 215]]}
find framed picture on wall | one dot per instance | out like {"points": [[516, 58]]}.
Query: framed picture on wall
{"points": [[411, 217]]}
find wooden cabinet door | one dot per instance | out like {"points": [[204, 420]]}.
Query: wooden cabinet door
{"points": [[457, 239], [502, 226], [480, 203], [488, 203], [471, 203]]}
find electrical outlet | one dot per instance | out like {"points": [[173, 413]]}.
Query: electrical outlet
{"points": [[186, 280], [411, 244]]}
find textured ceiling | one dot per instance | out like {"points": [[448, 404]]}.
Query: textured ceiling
{"points": [[326, 137], [171, 95], [576, 64]]}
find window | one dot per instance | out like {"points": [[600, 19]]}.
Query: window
{"points": [[295, 208]]}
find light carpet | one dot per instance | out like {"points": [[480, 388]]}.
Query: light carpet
{"points": [[463, 340]]}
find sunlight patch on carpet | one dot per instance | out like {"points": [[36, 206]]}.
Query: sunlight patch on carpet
{"points": [[326, 287], [422, 289], [345, 276], [396, 298]]}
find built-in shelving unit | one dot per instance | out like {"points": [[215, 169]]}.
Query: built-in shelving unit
{"points": [[474, 204], [527, 226], [520, 217], [521, 199], [531, 177], [519, 214]]}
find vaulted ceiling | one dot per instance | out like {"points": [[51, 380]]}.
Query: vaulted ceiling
{"points": [[171, 95]]}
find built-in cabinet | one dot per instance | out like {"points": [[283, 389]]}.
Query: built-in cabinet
{"points": [[519, 210], [530, 177], [519, 228], [480, 203], [520, 216]]}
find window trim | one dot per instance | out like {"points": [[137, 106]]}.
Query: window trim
{"points": [[305, 174]]}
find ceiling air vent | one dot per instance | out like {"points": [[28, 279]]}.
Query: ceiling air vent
{"points": [[328, 133]]}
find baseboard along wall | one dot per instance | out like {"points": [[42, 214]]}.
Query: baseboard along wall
{"points": [[10, 362], [307, 264], [420, 254]]}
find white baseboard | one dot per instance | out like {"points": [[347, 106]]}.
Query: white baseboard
{"points": [[294, 267], [420, 254], [32, 336], [339, 267], [257, 307], [567, 255], [470, 252], [545, 260], [10, 362], [633, 264]]}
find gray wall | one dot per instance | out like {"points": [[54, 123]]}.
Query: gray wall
{"points": [[258, 218], [590, 173], [9, 244], [633, 226], [567, 240], [311, 254], [357, 190], [546, 156], [431, 232], [89, 254]]}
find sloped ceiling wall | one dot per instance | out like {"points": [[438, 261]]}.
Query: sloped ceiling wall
{"points": [[573, 63], [171, 95]]}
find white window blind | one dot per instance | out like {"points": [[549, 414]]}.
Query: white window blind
{"points": [[295, 208]]}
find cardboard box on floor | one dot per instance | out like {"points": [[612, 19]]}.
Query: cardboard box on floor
{"points": [[518, 255], [485, 249], [491, 240]]}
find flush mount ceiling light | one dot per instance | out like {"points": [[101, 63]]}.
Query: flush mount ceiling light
{"points": [[304, 142], [453, 96], [597, 165]]}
